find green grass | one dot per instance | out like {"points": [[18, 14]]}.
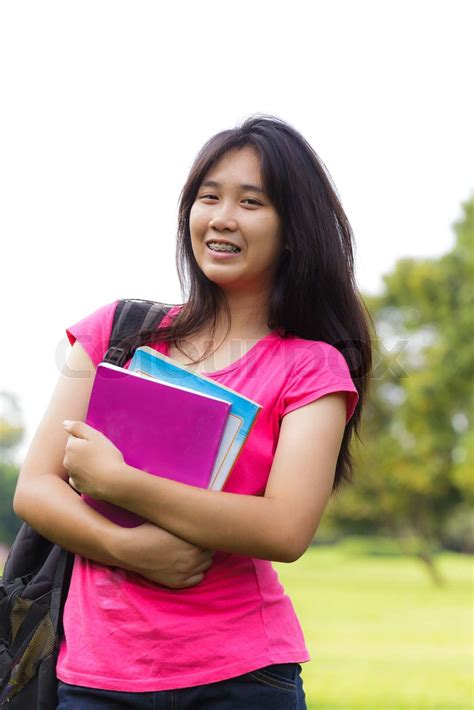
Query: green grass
{"points": [[381, 636]]}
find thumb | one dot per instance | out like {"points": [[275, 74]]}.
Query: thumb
{"points": [[79, 429]]}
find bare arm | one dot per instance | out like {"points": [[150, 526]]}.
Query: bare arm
{"points": [[46, 501], [278, 526]]}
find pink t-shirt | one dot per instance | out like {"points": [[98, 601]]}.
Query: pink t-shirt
{"points": [[125, 633]]}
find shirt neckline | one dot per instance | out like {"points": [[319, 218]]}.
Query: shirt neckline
{"points": [[232, 365]]}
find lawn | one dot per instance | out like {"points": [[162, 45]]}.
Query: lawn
{"points": [[380, 634]]}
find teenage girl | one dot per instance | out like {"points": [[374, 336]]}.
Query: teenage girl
{"points": [[186, 610]]}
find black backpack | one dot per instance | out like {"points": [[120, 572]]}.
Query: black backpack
{"points": [[37, 572]]}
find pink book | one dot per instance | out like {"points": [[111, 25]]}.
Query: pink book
{"points": [[164, 429]]}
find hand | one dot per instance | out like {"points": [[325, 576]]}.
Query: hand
{"points": [[160, 556], [92, 461]]}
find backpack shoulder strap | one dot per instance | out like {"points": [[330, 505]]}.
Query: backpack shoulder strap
{"points": [[132, 315]]}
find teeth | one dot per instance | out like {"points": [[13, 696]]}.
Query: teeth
{"points": [[215, 246]]}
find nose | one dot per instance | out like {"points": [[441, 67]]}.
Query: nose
{"points": [[222, 220]]}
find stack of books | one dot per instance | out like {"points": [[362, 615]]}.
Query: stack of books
{"points": [[170, 422]]}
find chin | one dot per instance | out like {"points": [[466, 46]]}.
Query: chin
{"points": [[219, 277]]}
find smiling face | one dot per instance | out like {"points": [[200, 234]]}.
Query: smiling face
{"points": [[231, 206]]}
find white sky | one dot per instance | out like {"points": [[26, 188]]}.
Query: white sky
{"points": [[104, 105]]}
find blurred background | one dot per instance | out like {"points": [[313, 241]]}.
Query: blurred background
{"points": [[104, 107]]}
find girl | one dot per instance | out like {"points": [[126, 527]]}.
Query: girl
{"points": [[186, 611]]}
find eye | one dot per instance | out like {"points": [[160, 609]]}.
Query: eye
{"points": [[207, 197], [250, 199]]}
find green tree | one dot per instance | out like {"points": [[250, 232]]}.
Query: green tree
{"points": [[11, 434], [415, 465]]}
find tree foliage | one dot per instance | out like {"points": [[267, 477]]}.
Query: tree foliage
{"points": [[415, 463], [11, 433]]}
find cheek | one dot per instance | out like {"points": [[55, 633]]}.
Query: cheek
{"points": [[197, 229], [269, 237], [197, 219]]}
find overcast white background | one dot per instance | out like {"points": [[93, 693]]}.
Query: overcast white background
{"points": [[104, 106]]}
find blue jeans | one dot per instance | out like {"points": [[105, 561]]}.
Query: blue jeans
{"points": [[276, 687]]}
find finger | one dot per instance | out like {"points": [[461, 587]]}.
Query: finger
{"points": [[78, 429], [198, 559], [195, 579], [202, 567], [74, 485]]}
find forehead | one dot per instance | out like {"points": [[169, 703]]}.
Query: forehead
{"points": [[237, 165]]}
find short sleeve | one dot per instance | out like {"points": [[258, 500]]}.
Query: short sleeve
{"points": [[320, 369], [93, 332]]}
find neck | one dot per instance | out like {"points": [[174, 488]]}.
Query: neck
{"points": [[248, 316]]}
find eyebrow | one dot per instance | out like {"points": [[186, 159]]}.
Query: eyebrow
{"points": [[245, 186]]}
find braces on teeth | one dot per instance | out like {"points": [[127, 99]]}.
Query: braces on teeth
{"points": [[222, 247]]}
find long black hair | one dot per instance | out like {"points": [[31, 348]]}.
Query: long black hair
{"points": [[314, 294]]}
